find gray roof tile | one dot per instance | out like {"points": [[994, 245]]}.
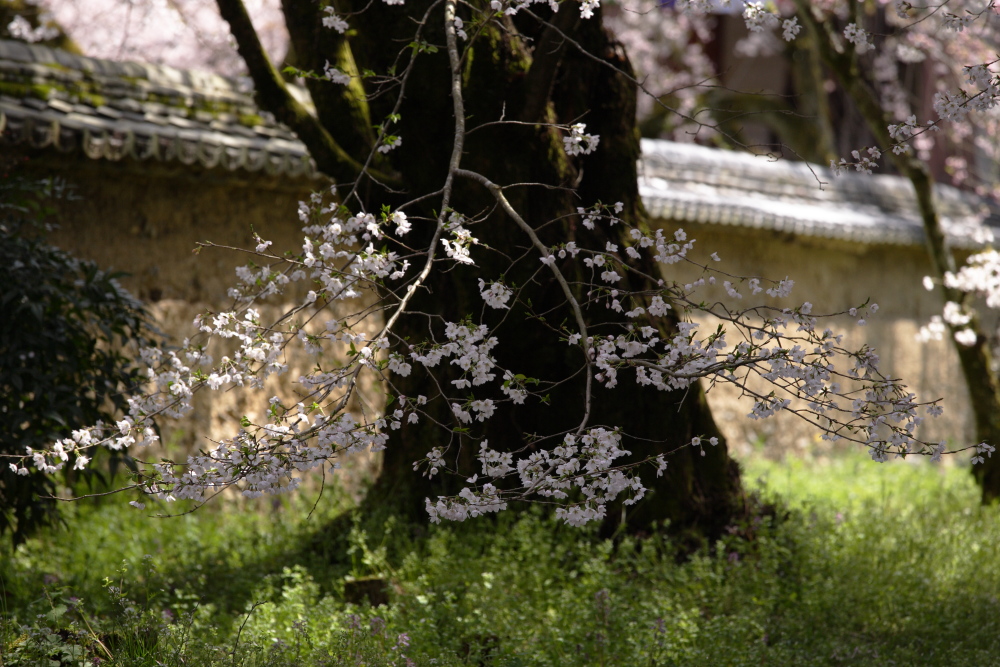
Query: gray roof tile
{"points": [[110, 110], [688, 183]]}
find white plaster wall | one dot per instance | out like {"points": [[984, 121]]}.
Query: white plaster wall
{"points": [[147, 222], [834, 276]]}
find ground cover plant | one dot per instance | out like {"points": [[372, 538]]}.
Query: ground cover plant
{"points": [[857, 565]]}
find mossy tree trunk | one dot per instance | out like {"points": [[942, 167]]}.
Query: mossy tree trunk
{"points": [[504, 79]]}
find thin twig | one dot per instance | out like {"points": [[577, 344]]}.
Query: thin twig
{"points": [[497, 192]]}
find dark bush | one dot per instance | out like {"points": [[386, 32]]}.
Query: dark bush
{"points": [[66, 327]]}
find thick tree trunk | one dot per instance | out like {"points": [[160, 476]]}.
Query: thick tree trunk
{"points": [[503, 80]]}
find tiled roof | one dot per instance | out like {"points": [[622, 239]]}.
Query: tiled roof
{"points": [[689, 183], [113, 110]]}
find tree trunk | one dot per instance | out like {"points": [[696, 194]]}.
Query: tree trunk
{"points": [[503, 80], [976, 360]]}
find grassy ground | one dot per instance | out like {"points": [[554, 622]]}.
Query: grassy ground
{"points": [[873, 565]]}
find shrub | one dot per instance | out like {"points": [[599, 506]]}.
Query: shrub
{"points": [[65, 325]]}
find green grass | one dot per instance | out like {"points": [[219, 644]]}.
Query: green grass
{"points": [[869, 565]]}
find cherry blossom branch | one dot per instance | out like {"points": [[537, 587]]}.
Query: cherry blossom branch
{"points": [[550, 260], [454, 161]]}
